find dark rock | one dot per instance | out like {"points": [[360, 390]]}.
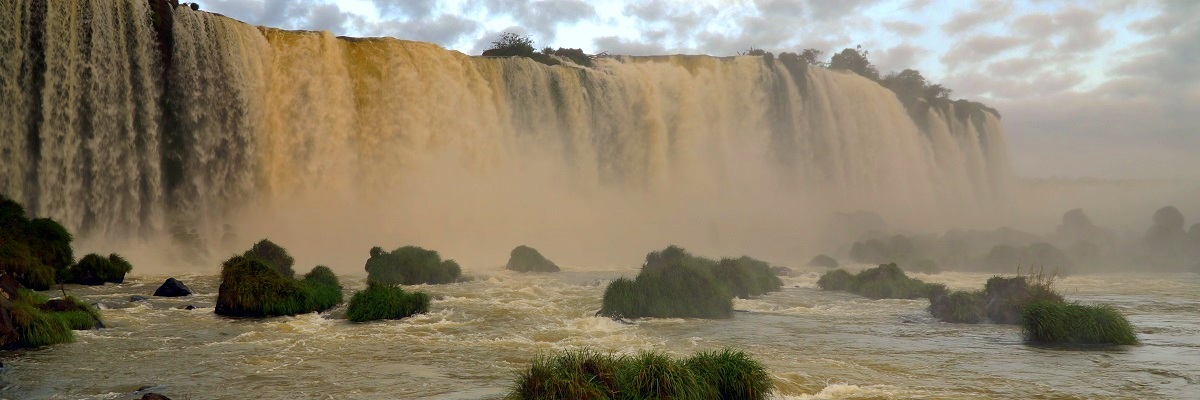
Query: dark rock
{"points": [[60, 305], [173, 288], [137, 298], [9, 286], [154, 396], [823, 261], [187, 307], [8, 330], [527, 259]]}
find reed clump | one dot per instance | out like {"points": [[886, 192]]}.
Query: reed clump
{"points": [[588, 374], [380, 301], [1071, 323]]}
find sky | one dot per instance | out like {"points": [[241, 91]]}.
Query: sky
{"points": [[1087, 89]]}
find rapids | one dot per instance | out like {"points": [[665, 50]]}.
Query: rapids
{"points": [[479, 334]]}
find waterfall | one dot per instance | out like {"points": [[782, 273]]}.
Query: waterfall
{"points": [[102, 134]]}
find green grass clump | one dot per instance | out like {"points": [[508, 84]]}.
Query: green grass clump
{"points": [[40, 277], [838, 279], [41, 322], [734, 374], [674, 291], [587, 374], [675, 284], [411, 265], [273, 255], [747, 277], [379, 301], [887, 281], [1009, 296], [94, 269], [251, 288], [965, 307], [528, 259], [1069, 323]]}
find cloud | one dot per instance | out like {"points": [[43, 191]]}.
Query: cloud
{"points": [[986, 12], [904, 28]]}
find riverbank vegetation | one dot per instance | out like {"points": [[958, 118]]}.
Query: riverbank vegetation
{"points": [[588, 374]]}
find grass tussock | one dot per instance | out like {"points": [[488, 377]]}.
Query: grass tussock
{"points": [[251, 288], [965, 307], [1070, 323], [673, 283], [887, 281], [588, 374], [273, 255], [94, 269], [379, 301], [411, 265], [42, 322]]}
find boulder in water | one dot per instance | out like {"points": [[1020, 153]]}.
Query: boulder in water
{"points": [[823, 261], [137, 298], [527, 259], [172, 288]]}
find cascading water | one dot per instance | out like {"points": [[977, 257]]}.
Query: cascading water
{"points": [[101, 134]]}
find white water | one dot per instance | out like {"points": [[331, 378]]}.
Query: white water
{"points": [[261, 132]]}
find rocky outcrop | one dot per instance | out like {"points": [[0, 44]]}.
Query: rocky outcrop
{"points": [[172, 288]]}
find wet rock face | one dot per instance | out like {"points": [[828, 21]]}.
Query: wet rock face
{"points": [[172, 288]]}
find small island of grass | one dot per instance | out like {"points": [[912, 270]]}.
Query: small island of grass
{"points": [[675, 284]]}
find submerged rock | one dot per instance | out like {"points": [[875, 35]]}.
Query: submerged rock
{"points": [[173, 288], [782, 271], [154, 396], [136, 298]]}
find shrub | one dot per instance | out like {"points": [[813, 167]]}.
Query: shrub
{"points": [[273, 255], [587, 374], [526, 259], [513, 45], [411, 265], [94, 269], [251, 288], [380, 301], [1068, 323], [50, 243], [576, 56]]}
